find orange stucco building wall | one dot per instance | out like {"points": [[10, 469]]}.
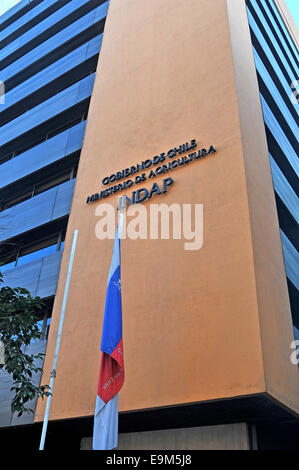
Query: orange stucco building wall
{"points": [[196, 326]]}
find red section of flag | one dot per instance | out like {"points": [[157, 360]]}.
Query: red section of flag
{"points": [[111, 373]]}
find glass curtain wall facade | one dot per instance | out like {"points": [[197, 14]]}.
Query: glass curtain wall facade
{"points": [[48, 56], [277, 64]]}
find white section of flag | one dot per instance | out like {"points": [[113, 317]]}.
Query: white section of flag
{"points": [[105, 428]]}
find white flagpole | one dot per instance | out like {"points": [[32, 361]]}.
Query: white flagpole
{"points": [[53, 373], [122, 206]]}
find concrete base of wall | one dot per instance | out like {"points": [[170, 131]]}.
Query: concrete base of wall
{"points": [[221, 437]]}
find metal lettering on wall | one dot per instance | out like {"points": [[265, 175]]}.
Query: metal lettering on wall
{"points": [[169, 165]]}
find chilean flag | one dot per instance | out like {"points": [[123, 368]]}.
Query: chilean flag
{"points": [[111, 379]]}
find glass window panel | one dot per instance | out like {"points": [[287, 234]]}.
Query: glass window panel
{"points": [[17, 200], [66, 126], [51, 183]]}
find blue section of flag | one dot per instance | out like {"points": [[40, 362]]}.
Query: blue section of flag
{"points": [[112, 326], [112, 323]]}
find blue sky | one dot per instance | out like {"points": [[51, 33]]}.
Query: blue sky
{"points": [[6, 4], [292, 4], [294, 9]]}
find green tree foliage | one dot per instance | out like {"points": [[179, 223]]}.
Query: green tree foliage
{"points": [[18, 327]]}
